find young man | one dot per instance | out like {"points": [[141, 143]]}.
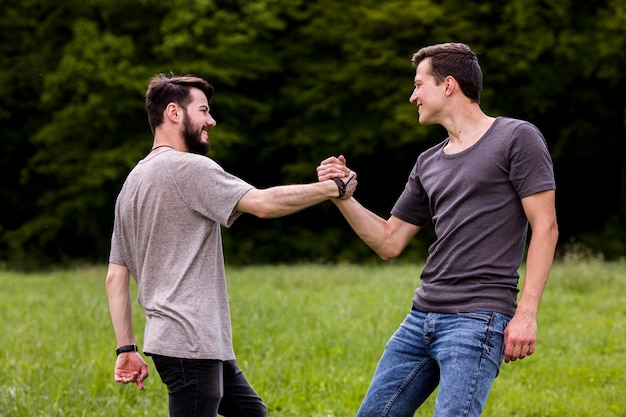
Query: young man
{"points": [[480, 188], [167, 234]]}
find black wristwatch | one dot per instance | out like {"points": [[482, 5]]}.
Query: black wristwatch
{"points": [[127, 348], [341, 186]]}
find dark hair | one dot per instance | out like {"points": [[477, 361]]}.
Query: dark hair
{"points": [[165, 89], [456, 60]]}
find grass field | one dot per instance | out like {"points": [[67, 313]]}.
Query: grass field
{"points": [[308, 338]]}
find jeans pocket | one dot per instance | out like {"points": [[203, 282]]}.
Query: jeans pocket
{"points": [[490, 325], [171, 371]]}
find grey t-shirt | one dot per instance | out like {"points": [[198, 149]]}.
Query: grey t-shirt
{"points": [[167, 231], [473, 198]]}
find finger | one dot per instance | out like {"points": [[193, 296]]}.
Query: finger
{"points": [[326, 176], [328, 172], [124, 378], [332, 167], [329, 160], [144, 373], [509, 352], [334, 172], [527, 350], [127, 377], [519, 351]]}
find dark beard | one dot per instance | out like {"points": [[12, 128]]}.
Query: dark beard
{"points": [[193, 139]]}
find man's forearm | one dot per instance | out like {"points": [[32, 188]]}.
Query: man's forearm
{"points": [[387, 238], [288, 199], [538, 264], [120, 310], [283, 200]]}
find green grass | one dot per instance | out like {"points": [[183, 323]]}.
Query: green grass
{"points": [[308, 338]]}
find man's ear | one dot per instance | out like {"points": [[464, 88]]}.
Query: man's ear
{"points": [[173, 112], [450, 84]]}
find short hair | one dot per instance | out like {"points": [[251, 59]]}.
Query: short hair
{"points": [[165, 89], [456, 60]]}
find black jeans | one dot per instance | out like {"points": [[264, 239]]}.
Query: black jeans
{"points": [[206, 388]]}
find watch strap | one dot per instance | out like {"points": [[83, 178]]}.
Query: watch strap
{"points": [[341, 186], [127, 348]]}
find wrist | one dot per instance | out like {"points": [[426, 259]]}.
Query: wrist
{"points": [[341, 186], [126, 348]]}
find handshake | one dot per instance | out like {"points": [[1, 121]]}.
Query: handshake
{"points": [[334, 168]]}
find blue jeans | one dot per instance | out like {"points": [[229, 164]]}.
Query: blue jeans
{"points": [[461, 353], [204, 388]]}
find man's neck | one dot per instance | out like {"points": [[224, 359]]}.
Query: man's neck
{"points": [[168, 137], [465, 129]]}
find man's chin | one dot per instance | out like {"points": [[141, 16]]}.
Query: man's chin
{"points": [[200, 148], [424, 121]]}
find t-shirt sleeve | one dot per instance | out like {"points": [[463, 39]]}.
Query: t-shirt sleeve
{"points": [[412, 205], [116, 254], [207, 189], [531, 169]]}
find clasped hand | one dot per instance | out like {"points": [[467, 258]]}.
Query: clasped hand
{"points": [[335, 167]]}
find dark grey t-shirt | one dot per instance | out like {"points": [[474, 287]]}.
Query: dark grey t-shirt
{"points": [[473, 198]]}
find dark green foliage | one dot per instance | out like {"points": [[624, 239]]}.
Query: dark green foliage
{"points": [[296, 81]]}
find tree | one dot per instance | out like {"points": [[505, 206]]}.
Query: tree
{"points": [[91, 91], [296, 81]]}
